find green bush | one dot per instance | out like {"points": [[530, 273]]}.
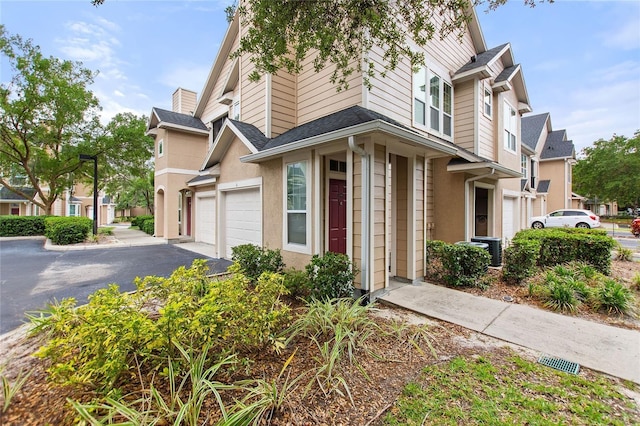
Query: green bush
{"points": [[562, 245], [297, 283], [520, 260], [67, 230], [148, 226], [253, 261], [21, 226], [331, 276], [458, 265], [139, 220], [613, 297], [117, 332]]}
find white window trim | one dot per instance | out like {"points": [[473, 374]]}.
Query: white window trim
{"points": [[297, 248], [486, 88], [160, 148], [524, 157], [431, 71], [506, 142]]}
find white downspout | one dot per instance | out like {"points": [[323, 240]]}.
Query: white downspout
{"points": [[366, 202], [466, 200]]}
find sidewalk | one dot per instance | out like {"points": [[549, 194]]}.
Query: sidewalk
{"points": [[124, 236], [611, 350]]}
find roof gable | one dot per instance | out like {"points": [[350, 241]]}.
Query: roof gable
{"points": [[162, 118], [531, 129], [557, 146]]}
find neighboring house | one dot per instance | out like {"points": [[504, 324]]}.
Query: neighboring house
{"points": [[601, 208], [78, 201], [16, 205], [552, 157], [289, 163]]}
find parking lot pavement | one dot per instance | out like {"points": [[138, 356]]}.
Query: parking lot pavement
{"points": [[32, 277]]}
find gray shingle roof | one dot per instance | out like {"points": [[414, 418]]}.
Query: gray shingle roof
{"points": [[531, 128], [506, 73], [179, 119], [6, 194], [481, 60], [556, 146], [339, 120], [523, 184], [252, 133], [543, 186], [201, 178]]}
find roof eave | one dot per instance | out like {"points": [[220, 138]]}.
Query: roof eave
{"points": [[359, 129], [218, 64], [222, 142], [484, 167], [480, 72], [173, 126]]}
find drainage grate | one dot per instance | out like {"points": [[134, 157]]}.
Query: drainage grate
{"points": [[559, 364]]}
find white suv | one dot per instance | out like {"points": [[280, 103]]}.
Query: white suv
{"points": [[566, 218]]}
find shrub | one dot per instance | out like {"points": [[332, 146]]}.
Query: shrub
{"points": [[614, 297], [561, 296], [117, 331], [457, 264], [562, 245], [521, 260], [623, 253], [21, 226], [331, 276], [252, 260], [67, 230], [139, 220], [148, 226], [297, 283]]}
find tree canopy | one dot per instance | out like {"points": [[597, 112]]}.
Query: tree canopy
{"points": [[281, 34], [610, 170], [48, 117]]}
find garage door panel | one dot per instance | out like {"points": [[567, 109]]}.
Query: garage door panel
{"points": [[243, 218], [206, 219]]}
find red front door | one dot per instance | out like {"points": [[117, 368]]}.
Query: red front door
{"points": [[338, 216]]}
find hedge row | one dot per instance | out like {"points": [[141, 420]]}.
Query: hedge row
{"points": [[148, 226], [139, 220], [21, 226], [553, 246], [67, 230]]}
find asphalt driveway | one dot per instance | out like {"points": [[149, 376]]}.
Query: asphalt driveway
{"points": [[31, 277]]}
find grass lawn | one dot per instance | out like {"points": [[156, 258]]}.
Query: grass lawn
{"points": [[502, 388]]}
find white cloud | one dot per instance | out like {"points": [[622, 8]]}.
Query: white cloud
{"points": [[118, 93], [600, 110], [624, 37]]}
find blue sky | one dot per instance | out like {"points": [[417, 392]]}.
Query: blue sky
{"points": [[581, 59]]}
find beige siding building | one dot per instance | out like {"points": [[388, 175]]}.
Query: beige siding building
{"points": [[291, 164]]}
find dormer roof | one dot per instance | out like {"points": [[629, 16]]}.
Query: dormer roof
{"points": [[532, 127], [162, 118]]}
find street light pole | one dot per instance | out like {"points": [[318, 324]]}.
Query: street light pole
{"points": [[94, 158]]}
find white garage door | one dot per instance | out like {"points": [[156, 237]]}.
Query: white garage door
{"points": [[243, 218], [508, 218], [206, 219]]}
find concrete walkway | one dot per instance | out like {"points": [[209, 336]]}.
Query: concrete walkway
{"points": [[124, 236], [611, 350]]}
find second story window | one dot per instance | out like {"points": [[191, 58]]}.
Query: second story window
{"points": [[488, 101], [432, 109], [161, 148], [510, 127], [235, 110], [533, 173], [524, 161]]}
